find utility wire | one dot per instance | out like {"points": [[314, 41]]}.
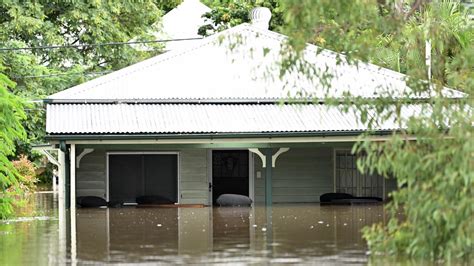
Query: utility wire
{"points": [[63, 74], [50, 47]]}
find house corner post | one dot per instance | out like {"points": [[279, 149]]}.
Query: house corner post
{"points": [[72, 167], [62, 224], [65, 173], [61, 179], [62, 200]]}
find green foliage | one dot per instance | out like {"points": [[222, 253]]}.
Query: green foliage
{"points": [[167, 5], [432, 155], [435, 179], [382, 34], [226, 14], [11, 114], [41, 72], [38, 23]]}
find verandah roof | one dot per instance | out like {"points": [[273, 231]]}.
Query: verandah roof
{"points": [[204, 118]]}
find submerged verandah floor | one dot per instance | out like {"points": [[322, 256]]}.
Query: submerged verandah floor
{"points": [[295, 233]]}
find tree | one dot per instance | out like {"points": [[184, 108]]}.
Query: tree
{"points": [[11, 130], [226, 14], [41, 72], [435, 172]]}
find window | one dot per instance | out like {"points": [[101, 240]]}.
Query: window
{"points": [[352, 181]]}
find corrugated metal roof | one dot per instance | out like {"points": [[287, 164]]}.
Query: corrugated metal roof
{"points": [[236, 64], [201, 118]]}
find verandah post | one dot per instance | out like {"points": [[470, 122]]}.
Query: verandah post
{"points": [[72, 180], [268, 176], [62, 224], [72, 177]]}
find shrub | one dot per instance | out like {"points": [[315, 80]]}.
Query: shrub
{"points": [[27, 171]]}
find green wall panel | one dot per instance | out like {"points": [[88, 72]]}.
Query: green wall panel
{"points": [[300, 175], [90, 176]]}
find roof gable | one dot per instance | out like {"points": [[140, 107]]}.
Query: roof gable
{"points": [[236, 65], [183, 22]]}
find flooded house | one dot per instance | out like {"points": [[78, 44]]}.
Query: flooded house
{"points": [[211, 116], [219, 117]]}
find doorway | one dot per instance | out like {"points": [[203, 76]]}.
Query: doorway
{"points": [[230, 173]]}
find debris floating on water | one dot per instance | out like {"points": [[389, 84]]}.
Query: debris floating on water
{"points": [[159, 225]]}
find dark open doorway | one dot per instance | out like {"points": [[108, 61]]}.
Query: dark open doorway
{"points": [[133, 175], [230, 173]]}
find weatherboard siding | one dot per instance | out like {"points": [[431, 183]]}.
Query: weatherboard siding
{"points": [[91, 175], [300, 175]]}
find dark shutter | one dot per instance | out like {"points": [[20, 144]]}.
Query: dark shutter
{"points": [[134, 175], [125, 177], [161, 176]]}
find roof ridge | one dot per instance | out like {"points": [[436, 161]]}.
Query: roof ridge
{"points": [[249, 31], [325, 52]]}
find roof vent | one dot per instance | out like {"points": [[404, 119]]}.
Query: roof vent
{"points": [[260, 17]]}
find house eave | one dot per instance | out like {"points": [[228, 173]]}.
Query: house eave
{"points": [[274, 137], [179, 101], [309, 100]]}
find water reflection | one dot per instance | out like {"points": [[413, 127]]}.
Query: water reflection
{"points": [[295, 233], [32, 236]]}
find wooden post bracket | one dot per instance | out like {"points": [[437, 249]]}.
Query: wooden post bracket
{"points": [[83, 153], [50, 157], [278, 153], [260, 154], [45, 151]]}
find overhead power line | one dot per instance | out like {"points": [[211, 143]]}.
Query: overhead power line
{"points": [[50, 47], [64, 74]]}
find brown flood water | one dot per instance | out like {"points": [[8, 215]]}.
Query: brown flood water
{"points": [[285, 233]]}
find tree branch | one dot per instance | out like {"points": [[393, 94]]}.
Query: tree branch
{"points": [[416, 6]]}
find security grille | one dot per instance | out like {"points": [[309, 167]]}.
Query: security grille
{"points": [[350, 180]]}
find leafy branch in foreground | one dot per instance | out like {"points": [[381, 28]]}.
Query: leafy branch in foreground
{"points": [[41, 72], [11, 130], [431, 155]]}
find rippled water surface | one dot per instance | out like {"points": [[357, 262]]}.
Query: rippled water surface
{"points": [[289, 233]]}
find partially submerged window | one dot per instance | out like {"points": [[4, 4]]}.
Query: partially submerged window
{"points": [[350, 180]]}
